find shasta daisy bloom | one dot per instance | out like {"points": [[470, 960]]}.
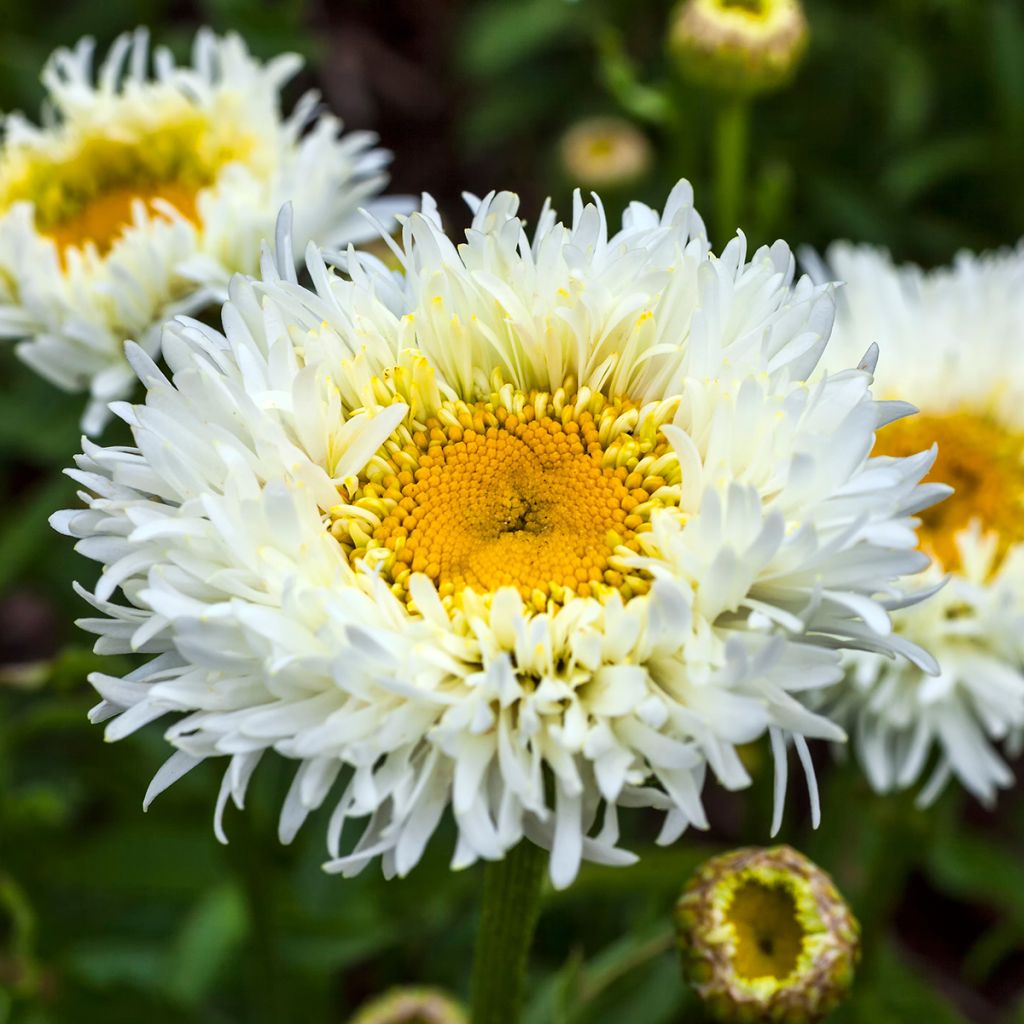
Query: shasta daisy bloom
{"points": [[539, 528], [766, 936], [950, 343], [143, 192]]}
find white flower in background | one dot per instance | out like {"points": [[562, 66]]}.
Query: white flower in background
{"points": [[951, 343], [539, 528], [141, 194]]}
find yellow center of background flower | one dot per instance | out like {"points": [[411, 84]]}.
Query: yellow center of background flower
{"points": [[103, 219], [769, 936], [549, 501], [83, 188], [982, 461]]}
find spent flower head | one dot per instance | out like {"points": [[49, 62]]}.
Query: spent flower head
{"points": [[765, 936], [738, 47], [147, 187], [543, 526], [949, 343]]}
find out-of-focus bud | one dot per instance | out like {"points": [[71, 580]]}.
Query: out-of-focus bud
{"points": [[766, 936], [605, 153], [411, 1006], [740, 47]]}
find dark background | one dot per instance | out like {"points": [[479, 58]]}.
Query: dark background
{"points": [[905, 126]]}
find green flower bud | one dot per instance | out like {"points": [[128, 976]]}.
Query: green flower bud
{"points": [[604, 152], [411, 1006], [739, 47], [766, 936]]}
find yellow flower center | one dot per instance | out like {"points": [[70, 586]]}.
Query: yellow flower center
{"points": [[547, 496], [982, 461], [769, 936], [103, 219], [83, 187]]}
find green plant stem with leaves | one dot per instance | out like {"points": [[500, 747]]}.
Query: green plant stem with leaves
{"points": [[508, 918], [731, 129]]}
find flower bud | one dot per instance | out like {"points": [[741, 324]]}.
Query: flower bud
{"points": [[766, 936], [605, 152], [411, 1005], [740, 47]]}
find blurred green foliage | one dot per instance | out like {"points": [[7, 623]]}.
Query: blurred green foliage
{"points": [[905, 127]]}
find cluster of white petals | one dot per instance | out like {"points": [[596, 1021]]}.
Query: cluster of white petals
{"points": [[784, 542], [123, 128], [949, 342]]}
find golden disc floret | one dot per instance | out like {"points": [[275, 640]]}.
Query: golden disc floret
{"points": [[544, 493]]}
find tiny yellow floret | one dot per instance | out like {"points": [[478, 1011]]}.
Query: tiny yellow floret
{"points": [[540, 493]]}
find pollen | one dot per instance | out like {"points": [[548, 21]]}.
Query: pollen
{"points": [[533, 491], [984, 464]]}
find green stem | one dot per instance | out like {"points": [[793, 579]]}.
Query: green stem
{"points": [[511, 905], [682, 139], [732, 125], [248, 857]]}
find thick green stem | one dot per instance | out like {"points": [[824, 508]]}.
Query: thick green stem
{"points": [[511, 904], [732, 124]]}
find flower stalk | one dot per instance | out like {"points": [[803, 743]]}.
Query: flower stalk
{"points": [[508, 918], [732, 126]]}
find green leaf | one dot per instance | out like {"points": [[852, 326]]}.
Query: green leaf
{"points": [[972, 868], [553, 1000], [105, 962], [212, 933], [895, 993], [26, 530], [910, 176], [1007, 43], [991, 950], [503, 33], [646, 102]]}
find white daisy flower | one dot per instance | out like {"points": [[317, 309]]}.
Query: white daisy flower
{"points": [[950, 343], [142, 193], [541, 527]]}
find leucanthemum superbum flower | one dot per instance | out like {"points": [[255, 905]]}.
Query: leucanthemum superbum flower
{"points": [[949, 342], [738, 47], [540, 527], [766, 936], [141, 193]]}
